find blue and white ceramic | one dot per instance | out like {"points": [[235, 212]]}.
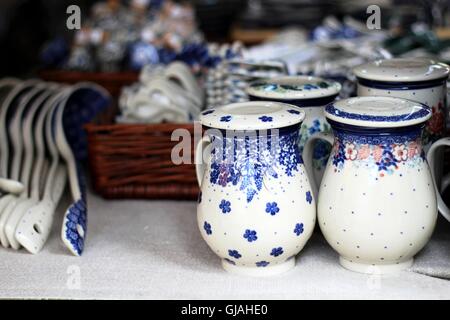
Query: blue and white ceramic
{"points": [[376, 204], [82, 102], [311, 94], [255, 210], [416, 79]]}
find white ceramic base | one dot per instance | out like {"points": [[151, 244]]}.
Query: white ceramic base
{"points": [[259, 271], [375, 269]]}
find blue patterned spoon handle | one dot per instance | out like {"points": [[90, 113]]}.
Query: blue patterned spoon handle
{"points": [[75, 219]]}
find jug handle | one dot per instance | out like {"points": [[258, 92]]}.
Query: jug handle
{"points": [[199, 163], [308, 151], [442, 207]]}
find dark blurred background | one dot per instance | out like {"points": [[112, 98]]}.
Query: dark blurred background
{"points": [[25, 25]]}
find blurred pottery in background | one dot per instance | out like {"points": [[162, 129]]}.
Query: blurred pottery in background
{"points": [[311, 94], [255, 210]]}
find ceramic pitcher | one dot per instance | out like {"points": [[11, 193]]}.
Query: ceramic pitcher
{"points": [[255, 210], [311, 94], [377, 203]]}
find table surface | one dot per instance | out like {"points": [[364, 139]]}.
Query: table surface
{"points": [[153, 250]]}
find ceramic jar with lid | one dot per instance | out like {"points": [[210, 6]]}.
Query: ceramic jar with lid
{"points": [[377, 204], [309, 93], [255, 210], [417, 79]]}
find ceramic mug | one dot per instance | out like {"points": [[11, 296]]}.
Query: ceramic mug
{"points": [[255, 210], [416, 79], [311, 94], [377, 203]]}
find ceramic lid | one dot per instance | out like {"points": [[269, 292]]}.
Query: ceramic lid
{"points": [[378, 112], [398, 70], [293, 87], [257, 115]]}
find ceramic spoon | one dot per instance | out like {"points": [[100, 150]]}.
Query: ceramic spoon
{"points": [[34, 226], [79, 107], [7, 203], [30, 198], [74, 223], [8, 185], [22, 141]]}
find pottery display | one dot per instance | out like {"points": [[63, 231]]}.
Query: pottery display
{"points": [[309, 93], [255, 210], [416, 79], [377, 203]]}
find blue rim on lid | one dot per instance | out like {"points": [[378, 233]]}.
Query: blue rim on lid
{"points": [[377, 112]]}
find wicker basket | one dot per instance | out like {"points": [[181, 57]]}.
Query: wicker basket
{"points": [[134, 161], [131, 160]]}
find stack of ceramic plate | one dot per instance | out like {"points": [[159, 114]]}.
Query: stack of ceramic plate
{"points": [[227, 82]]}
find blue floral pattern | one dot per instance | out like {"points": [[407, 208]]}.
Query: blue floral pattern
{"points": [[384, 153], [298, 230], [253, 160], [272, 208], [225, 119], [309, 197], [250, 235], [225, 206], [262, 264], [277, 252], [292, 111], [266, 119], [207, 228], [234, 253]]}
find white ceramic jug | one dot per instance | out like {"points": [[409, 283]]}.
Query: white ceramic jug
{"points": [[377, 203], [255, 210]]}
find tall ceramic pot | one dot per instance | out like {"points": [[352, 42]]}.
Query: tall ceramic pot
{"points": [[377, 203], [311, 94], [255, 210]]}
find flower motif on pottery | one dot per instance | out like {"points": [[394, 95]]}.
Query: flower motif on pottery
{"points": [[207, 112], [265, 119], [262, 264], [225, 206], [225, 119], [384, 153], [350, 151], [298, 229], [250, 235], [292, 111], [277, 251], [272, 208], [315, 127], [400, 152], [234, 253], [250, 164], [207, 228], [363, 152], [309, 197]]}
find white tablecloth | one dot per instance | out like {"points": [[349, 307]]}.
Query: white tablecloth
{"points": [[153, 250]]}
